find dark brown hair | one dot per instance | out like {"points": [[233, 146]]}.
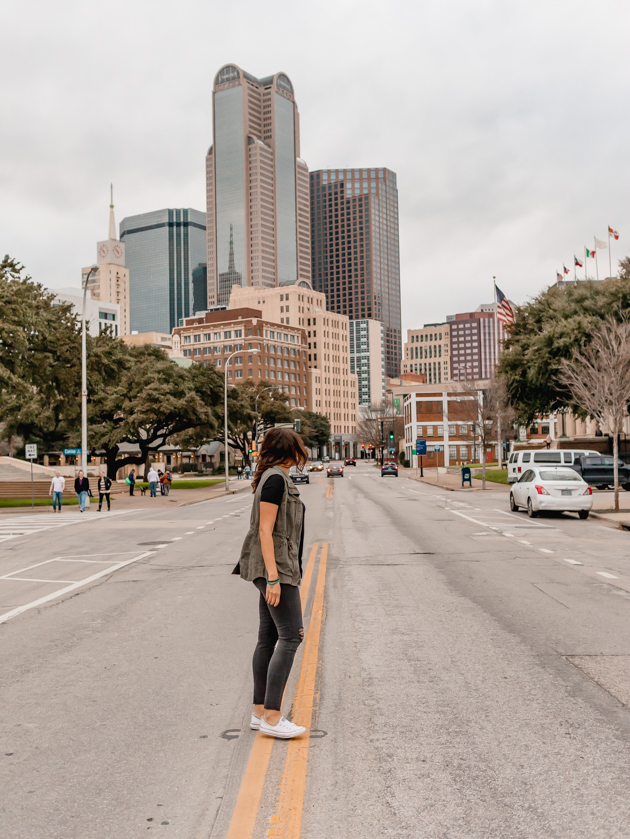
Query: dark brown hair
{"points": [[279, 445]]}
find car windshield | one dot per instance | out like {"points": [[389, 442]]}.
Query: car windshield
{"points": [[295, 470], [559, 475]]}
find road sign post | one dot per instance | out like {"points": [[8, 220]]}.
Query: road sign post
{"points": [[31, 454], [437, 451]]}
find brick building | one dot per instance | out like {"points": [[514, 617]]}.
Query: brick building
{"points": [[282, 358]]}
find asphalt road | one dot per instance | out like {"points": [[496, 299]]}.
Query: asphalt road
{"points": [[465, 673]]}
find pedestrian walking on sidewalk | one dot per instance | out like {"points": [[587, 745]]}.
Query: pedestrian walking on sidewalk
{"points": [[57, 486], [247, 471], [153, 479], [166, 480], [239, 472], [131, 480], [271, 558], [104, 488], [82, 489]]}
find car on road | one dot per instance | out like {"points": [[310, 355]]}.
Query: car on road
{"points": [[546, 488], [299, 475], [334, 469], [325, 459], [350, 461], [316, 466], [599, 471], [389, 468], [522, 459]]}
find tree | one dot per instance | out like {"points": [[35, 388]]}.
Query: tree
{"points": [[548, 330], [598, 378], [315, 428], [373, 425], [40, 361], [273, 407], [152, 400]]}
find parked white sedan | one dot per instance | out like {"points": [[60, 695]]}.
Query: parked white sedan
{"points": [[551, 488]]}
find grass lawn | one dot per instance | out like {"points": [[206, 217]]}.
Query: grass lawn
{"points": [[187, 483], [496, 476], [39, 502]]}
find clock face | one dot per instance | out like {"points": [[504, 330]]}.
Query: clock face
{"points": [[118, 251], [103, 251]]}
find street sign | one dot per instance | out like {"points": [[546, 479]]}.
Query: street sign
{"points": [[421, 446], [72, 451], [31, 451], [392, 450], [437, 449]]}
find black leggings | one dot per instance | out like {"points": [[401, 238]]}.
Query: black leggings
{"points": [[279, 635]]}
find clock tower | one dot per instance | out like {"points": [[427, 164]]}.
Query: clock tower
{"points": [[111, 282]]}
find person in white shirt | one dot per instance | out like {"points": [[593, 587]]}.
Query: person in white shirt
{"points": [[56, 490], [153, 479]]}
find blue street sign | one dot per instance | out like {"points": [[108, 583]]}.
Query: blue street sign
{"points": [[437, 449], [72, 451], [421, 446]]}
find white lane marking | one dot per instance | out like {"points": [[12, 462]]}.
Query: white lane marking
{"points": [[201, 527], [189, 533], [165, 545], [47, 598], [574, 562], [524, 542], [509, 534], [605, 574], [545, 550], [176, 538], [33, 580]]}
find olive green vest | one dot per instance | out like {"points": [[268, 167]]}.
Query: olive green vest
{"points": [[286, 535]]}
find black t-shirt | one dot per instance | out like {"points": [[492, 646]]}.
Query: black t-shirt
{"points": [[273, 493]]}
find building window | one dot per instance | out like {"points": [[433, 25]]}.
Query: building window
{"points": [[463, 430], [187, 353], [187, 339], [452, 452], [197, 351], [452, 430], [197, 339], [239, 374], [429, 431], [227, 336]]}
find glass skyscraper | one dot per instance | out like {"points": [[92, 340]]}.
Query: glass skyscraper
{"points": [[165, 250], [355, 251], [257, 186]]}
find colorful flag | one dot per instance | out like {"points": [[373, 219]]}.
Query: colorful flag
{"points": [[612, 232], [578, 263], [505, 313], [559, 277], [600, 244], [589, 253], [565, 269]]}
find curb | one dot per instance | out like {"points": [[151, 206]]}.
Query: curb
{"points": [[616, 525]]}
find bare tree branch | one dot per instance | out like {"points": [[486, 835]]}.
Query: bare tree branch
{"points": [[598, 376]]}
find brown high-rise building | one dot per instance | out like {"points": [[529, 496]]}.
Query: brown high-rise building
{"points": [[354, 249], [257, 186]]}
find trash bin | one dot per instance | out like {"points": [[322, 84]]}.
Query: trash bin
{"points": [[466, 476]]}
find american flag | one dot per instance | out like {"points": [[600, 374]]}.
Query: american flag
{"points": [[505, 313]]}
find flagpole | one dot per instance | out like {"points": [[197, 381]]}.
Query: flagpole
{"points": [[585, 263], [609, 253], [496, 362], [574, 269], [596, 265]]}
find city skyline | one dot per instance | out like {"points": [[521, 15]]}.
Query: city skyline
{"points": [[495, 178]]}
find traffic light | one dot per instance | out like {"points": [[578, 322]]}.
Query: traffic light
{"points": [[391, 435], [297, 425]]}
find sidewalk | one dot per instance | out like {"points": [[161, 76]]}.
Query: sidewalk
{"points": [[450, 482], [121, 500]]}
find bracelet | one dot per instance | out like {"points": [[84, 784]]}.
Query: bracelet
{"points": [[274, 582]]}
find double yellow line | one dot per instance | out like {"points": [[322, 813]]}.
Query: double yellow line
{"points": [[287, 821]]}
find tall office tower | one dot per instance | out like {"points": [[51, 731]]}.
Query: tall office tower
{"points": [[355, 256], [110, 284], [257, 186], [164, 250], [367, 360], [427, 351], [474, 343]]}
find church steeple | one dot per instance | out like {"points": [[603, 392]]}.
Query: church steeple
{"points": [[112, 223]]}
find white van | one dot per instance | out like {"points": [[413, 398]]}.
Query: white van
{"points": [[520, 460]]}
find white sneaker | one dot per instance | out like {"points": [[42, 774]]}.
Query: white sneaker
{"points": [[255, 722], [284, 730]]}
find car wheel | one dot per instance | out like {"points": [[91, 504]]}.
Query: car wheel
{"points": [[513, 506], [530, 510], [583, 514]]}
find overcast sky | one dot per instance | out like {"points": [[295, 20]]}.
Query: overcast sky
{"points": [[506, 123]]}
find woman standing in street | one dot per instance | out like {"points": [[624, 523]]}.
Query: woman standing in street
{"points": [[271, 558], [82, 489], [131, 480]]}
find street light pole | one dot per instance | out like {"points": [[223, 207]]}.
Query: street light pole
{"points": [[92, 270], [225, 415]]}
